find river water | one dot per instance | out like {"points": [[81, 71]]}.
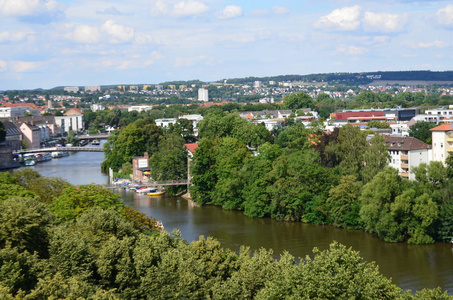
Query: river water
{"points": [[410, 266]]}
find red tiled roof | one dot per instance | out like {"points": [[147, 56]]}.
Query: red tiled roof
{"points": [[191, 147], [444, 127]]}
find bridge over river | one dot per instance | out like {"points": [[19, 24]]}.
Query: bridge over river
{"points": [[52, 149]]}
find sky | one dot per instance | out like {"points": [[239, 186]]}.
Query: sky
{"points": [[49, 43]]}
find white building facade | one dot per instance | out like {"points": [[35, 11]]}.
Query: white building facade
{"points": [[203, 95], [407, 153]]}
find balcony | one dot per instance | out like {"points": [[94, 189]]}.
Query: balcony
{"points": [[404, 166], [449, 140], [404, 157], [404, 174], [449, 149]]}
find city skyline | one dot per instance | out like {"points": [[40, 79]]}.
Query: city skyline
{"points": [[48, 43]]}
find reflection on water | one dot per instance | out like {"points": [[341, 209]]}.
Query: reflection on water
{"points": [[410, 266]]}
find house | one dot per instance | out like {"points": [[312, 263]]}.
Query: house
{"points": [[31, 135], [407, 153], [71, 120], [13, 135], [165, 123], [194, 119], [140, 168], [442, 142]]}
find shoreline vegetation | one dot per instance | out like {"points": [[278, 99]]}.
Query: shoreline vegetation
{"points": [[59, 241], [295, 173]]}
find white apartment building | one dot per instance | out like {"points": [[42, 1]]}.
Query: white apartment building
{"points": [[92, 88], [406, 153], [203, 95], [16, 111], [71, 89], [165, 123], [139, 108], [195, 119], [401, 129], [442, 141], [436, 116]]}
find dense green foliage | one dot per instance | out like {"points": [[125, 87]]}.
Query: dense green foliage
{"points": [[100, 253], [307, 175]]}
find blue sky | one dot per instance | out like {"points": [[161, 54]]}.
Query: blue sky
{"points": [[48, 43]]}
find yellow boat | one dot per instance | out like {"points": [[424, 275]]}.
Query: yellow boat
{"points": [[156, 193]]}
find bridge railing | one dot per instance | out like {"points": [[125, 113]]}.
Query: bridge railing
{"points": [[167, 182]]}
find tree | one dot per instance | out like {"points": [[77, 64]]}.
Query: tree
{"points": [[24, 224], [169, 162], [350, 149], [298, 100], [342, 205], [336, 273], [376, 198], [72, 138], [75, 200], [421, 131], [375, 158]]}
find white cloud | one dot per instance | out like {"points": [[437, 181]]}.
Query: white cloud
{"points": [[85, 34], [13, 36], [346, 18], [117, 33], [2, 65], [159, 7], [179, 9], [445, 15], [24, 66], [280, 10], [231, 11], [35, 11], [352, 50], [383, 22], [434, 44], [189, 8]]}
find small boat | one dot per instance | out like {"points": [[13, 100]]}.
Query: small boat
{"points": [[155, 193], [43, 157], [57, 154], [143, 190], [30, 160], [95, 142]]}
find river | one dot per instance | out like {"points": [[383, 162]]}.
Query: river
{"points": [[410, 266]]}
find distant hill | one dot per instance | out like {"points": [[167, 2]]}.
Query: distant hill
{"points": [[344, 78], [352, 78]]}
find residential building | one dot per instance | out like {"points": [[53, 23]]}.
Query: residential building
{"points": [[140, 168], [71, 89], [442, 142], [92, 88], [31, 135], [436, 116], [407, 153], [139, 108], [9, 110], [13, 135], [203, 95], [95, 107], [165, 123], [195, 119], [71, 120]]}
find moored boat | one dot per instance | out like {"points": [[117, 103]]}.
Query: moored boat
{"points": [[155, 193], [30, 160], [43, 157], [95, 142], [57, 154]]}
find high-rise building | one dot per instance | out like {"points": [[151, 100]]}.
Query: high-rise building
{"points": [[203, 95]]}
